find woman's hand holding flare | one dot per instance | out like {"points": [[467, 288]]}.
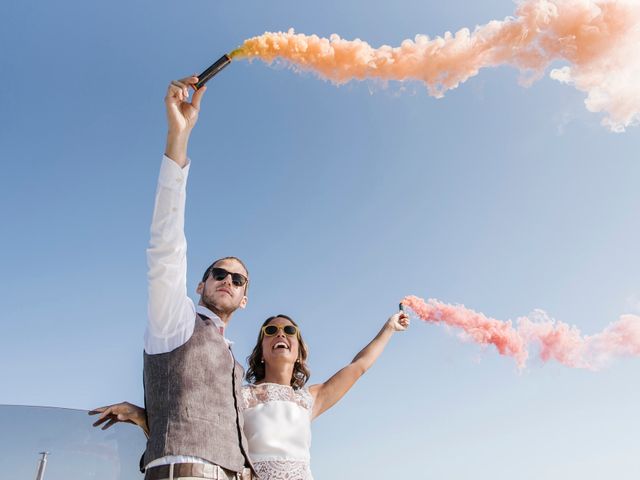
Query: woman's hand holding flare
{"points": [[121, 412], [398, 322]]}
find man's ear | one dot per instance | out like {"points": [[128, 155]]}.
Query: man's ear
{"points": [[243, 302], [200, 288]]}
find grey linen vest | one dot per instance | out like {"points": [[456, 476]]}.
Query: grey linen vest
{"points": [[192, 397]]}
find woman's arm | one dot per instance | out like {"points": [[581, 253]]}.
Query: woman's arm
{"points": [[327, 394], [121, 412]]}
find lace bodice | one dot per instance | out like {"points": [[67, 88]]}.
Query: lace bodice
{"points": [[253, 395], [277, 424]]}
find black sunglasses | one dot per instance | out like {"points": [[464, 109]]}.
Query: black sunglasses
{"points": [[219, 274], [271, 330]]}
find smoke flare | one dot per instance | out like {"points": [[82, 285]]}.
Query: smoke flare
{"points": [[598, 38], [556, 340]]}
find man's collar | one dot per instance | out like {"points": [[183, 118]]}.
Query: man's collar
{"points": [[204, 311]]}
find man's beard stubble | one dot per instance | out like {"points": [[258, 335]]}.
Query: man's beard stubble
{"points": [[207, 301]]}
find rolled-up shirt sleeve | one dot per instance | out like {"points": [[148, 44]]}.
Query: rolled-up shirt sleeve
{"points": [[171, 313]]}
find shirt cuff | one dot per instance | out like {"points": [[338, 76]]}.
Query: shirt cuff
{"points": [[172, 175]]}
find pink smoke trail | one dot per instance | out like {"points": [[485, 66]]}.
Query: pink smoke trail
{"points": [[598, 38], [556, 340]]}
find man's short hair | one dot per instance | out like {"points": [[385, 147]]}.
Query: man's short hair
{"points": [[207, 272]]}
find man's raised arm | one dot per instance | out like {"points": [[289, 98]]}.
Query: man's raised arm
{"points": [[171, 312], [181, 117]]}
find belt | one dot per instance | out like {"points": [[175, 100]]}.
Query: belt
{"points": [[197, 470]]}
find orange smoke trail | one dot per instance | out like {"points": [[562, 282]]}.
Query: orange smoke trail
{"points": [[556, 340], [598, 38]]}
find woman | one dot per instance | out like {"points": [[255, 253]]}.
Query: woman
{"points": [[277, 406]]}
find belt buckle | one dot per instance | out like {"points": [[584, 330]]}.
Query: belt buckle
{"points": [[210, 471]]}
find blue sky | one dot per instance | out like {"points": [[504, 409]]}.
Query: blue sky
{"points": [[341, 200]]}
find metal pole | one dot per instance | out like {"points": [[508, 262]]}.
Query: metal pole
{"points": [[42, 464]]}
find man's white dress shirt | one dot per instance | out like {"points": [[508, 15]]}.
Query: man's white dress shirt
{"points": [[171, 313]]}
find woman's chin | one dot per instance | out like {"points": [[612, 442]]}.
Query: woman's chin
{"points": [[281, 358]]}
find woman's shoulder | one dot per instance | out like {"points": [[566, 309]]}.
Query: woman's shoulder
{"points": [[306, 394]]}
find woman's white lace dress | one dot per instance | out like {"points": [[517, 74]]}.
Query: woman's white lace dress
{"points": [[277, 424]]}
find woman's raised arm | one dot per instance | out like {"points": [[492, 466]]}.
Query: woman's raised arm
{"points": [[327, 394]]}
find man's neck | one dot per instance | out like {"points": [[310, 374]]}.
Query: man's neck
{"points": [[225, 317]]}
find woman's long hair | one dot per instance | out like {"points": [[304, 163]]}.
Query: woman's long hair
{"points": [[256, 368]]}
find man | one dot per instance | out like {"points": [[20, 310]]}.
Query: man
{"points": [[192, 382]]}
